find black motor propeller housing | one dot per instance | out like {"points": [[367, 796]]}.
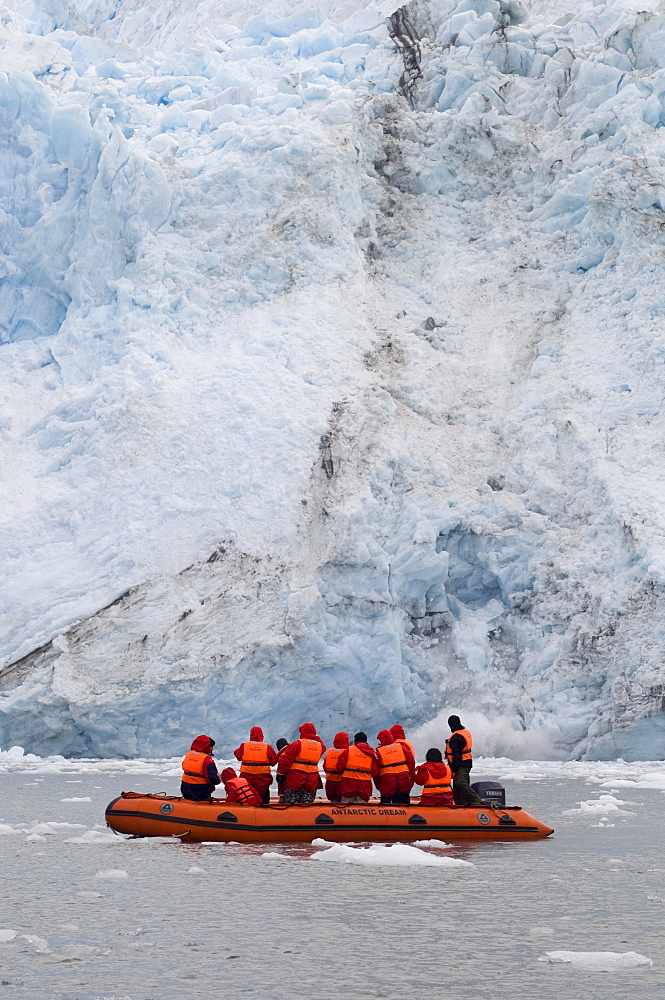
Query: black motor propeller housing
{"points": [[490, 792]]}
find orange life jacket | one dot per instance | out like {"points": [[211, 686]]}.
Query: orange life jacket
{"points": [[358, 765], [310, 754], [243, 789], [330, 763], [406, 743], [194, 769], [392, 759], [466, 753], [438, 786], [255, 758]]}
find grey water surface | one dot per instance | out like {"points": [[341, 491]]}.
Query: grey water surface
{"points": [[297, 929]]}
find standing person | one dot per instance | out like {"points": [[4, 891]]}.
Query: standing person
{"points": [[298, 767], [199, 771], [458, 754], [333, 776], [397, 770], [280, 746], [257, 757], [400, 737], [238, 789], [357, 766], [436, 778]]}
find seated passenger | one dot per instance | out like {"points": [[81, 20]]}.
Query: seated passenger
{"points": [[437, 780], [256, 759], [358, 765], [333, 775], [238, 789], [396, 770], [400, 737], [199, 771], [298, 767]]}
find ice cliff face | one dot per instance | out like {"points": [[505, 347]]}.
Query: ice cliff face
{"points": [[331, 353]]}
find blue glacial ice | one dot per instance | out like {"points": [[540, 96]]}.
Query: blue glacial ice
{"points": [[332, 355]]}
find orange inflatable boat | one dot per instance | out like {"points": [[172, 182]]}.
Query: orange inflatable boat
{"points": [[167, 816]]}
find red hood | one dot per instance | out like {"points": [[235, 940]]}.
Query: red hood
{"points": [[341, 741], [228, 773], [308, 731], [203, 744], [398, 732], [256, 734], [385, 738], [366, 748]]}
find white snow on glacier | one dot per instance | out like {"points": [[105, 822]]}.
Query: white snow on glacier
{"points": [[331, 353]]}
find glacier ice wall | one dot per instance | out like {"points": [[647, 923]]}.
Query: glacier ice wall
{"points": [[332, 364]]}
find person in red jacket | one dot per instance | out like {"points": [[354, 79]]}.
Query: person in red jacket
{"points": [[238, 789], [199, 771], [400, 737], [333, 775], [397, 770], [437, 780], [298, 767], [257, 757], [358, 766]]}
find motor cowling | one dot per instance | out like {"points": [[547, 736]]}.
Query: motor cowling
{"points": [[490, 792]]}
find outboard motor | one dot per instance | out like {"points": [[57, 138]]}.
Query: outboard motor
{"points": [[490, 792]]}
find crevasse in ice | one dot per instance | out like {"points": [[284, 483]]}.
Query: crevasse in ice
{"points": [[331, 353]]}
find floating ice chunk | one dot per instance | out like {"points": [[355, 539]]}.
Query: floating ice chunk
{"points": [[5, 829], [89, 895], [195, 870], [40, 944], [35, 836], [597, 961], [113, 873], [75, 798], [432, 843], [380, 854], [16, 755], [41, 830], [97, 837], [653, 779], [273, 855], [6, 934], [602, 806]]}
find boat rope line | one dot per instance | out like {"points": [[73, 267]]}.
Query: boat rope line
{"points": [[308, 828]]}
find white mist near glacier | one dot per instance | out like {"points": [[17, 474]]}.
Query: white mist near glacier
{"points": [[331, 354]]}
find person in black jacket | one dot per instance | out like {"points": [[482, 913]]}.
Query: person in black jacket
{"points": [[460, 761]]}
